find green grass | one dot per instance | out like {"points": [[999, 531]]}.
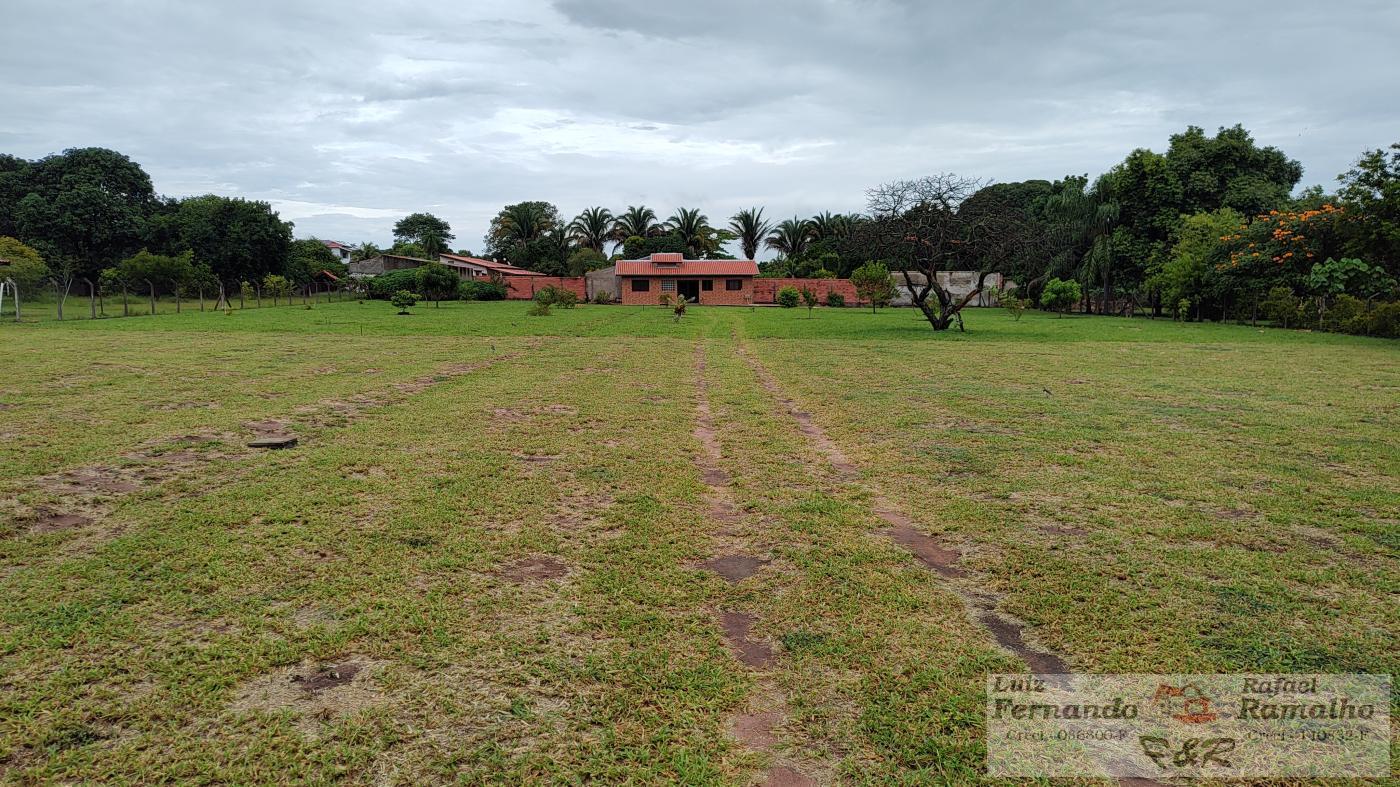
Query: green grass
{"points": [[1145, 495]]}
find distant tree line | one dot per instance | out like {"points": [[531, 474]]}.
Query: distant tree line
{"points": [[1209, 229]]}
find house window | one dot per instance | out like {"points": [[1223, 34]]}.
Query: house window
{"points": [[707, 284], [734, 285], [641, 285], [668, 285]]}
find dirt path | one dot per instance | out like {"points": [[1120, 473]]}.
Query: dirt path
{"points": [[758, 726]]}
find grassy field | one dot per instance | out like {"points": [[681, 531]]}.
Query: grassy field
{"points": [[605, 545]]}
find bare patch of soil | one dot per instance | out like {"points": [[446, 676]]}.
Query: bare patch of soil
{"points": [[714, 476], [737, 627], [535, 569], [755, 730], [316, 692], [327, 677], [785, 776], [734, 567], [270, 426], [1008, 634], [557, 409], [55, 522], [95, 479], [172, 406], [537, 458]]}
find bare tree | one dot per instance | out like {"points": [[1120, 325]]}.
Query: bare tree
{"points": [[924, 227]]}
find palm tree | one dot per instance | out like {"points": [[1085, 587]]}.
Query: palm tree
{"points": [[751, 229], [1092, 216], [638, 220], [521, 223], [592, 229], [790, 237], [694, 228]]}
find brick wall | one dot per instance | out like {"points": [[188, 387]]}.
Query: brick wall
{"points": [[523, 288], [766, 290]]}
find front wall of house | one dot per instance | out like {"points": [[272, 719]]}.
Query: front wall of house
{"points": [[719, 296]]}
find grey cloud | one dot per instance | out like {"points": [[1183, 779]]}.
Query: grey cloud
{"points": [[460, 108]]}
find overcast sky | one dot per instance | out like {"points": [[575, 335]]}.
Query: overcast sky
{"points": [[347, 115]]}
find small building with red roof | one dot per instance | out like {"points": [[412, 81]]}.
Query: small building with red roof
{"points": [[477, 268], [709, 282]]}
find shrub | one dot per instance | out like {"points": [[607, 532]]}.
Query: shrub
{"points": [[809, 299], [556, 296], [1007, 300], [835, 299], [602, 296], [1059, 295], [1284, 309], [384, 286], [404, 299], [678, 305], [538, 310], [1384, 320], [481, 290], [788, 297]]}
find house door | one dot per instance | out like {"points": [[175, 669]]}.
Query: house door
{"points": [[690, 290]]}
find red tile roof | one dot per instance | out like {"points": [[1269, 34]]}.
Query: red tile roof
{"points": [[335, 244], [676, 265], [503, 268]]}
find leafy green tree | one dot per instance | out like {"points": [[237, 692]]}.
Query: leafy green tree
{"points": [[83, 209], [26, 266], [693, 227], [1229, 171], [1370, 196], [750, 229], [307, 258], [637, 247], [1192, 269], [403, 300], [432, 234], [1060, 295], [276, 286], [809, 299], [437, 282], [1350, 276], [788, 297], [872, 283], [592, 229], [237, 239], [584, 260], [160, 272]]}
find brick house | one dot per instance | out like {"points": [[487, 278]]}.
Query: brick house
{"points": [[717, 282]]}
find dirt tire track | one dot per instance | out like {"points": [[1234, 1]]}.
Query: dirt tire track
{"points": [[756, 728], [943, 560], [93, 491], [981, 605]]}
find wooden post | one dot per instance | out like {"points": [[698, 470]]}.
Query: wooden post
{"points": [[92, 298]]}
